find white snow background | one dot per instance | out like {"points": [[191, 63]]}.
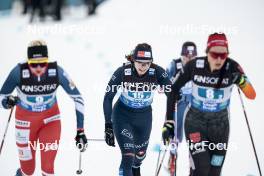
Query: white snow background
{"points": [[91, 48]]}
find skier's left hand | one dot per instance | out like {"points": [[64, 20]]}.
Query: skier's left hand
{"points": [[167, 132], [81, 140], [238, 78]]}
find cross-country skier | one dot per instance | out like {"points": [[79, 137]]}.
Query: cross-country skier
{"points": [[37, 112], [207, 121], [176, 66], [130, 119]]}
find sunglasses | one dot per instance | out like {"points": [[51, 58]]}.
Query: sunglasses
{"points": [[35, 65], [216, 55]]}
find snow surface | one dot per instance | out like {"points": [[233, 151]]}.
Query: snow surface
{"points": [[90, 49]]}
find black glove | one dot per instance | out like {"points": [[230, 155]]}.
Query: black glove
{"points": [[238, 78], [10, 101], [109, 134], [81, 140], [167, 132]]}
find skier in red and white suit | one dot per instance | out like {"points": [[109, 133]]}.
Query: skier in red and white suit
{"points": [[37, 112]]}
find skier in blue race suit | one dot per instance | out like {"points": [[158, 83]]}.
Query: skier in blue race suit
{"points": [[130, 120]]}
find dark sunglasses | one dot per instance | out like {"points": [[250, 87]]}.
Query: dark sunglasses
{"points": [[35, 65], [216, 55]]}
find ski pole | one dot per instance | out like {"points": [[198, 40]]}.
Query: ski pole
{"points": [[96, 140], [161, 162], [249, 130], [158, 161], [79, 171], [3, 140]]}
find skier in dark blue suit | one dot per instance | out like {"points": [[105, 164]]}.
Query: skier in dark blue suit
{"points": [[130, 120]]}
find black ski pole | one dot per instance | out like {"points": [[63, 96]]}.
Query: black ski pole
{"points": [[249, 130], [3, 140]]}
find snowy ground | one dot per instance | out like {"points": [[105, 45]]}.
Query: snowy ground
{"points": [[90, 49]]}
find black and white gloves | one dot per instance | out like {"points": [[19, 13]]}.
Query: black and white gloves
{"points": [[81, 140], [10, 101]]}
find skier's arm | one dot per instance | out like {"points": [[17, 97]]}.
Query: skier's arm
{"points": [[165, 83], [174, 94], [110, 93], [74, 93], [171, 70], [243, 83], [9, 85]]}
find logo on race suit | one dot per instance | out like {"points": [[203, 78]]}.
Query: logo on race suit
{"points": [[52, 72], [139, 146], [113, 78], [128, 146], [209, 80], [22, 123], [51, 119], [195, 137], [179, 66], [71, 83], [24, 153], [217, 160], [165, 75], [200, 63], [126, 133], [151, 71], [227, 65], [25, 73], [128, 71], [22, 136], [38, 88]]}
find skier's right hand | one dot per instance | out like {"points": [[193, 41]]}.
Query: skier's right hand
{"points": [[81, 140], [168, 132], [109, 134], [10, 101]]}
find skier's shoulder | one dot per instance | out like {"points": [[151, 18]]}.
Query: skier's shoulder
{"points": [[233, 65], [198, 62], [156, 68], [177, 60], [120, 71], [232, 61], [15, 72]]}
